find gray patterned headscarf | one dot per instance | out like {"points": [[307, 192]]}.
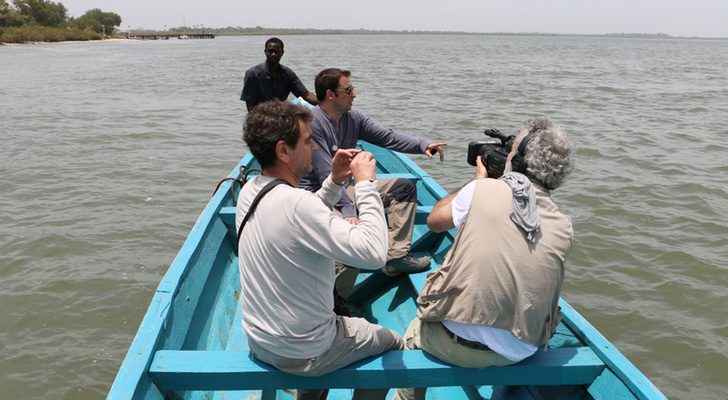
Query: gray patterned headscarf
{"points": [[524, 213]]}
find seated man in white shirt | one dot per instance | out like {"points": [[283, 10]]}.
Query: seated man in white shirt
{"points": [[494, 300], [288, 246]]}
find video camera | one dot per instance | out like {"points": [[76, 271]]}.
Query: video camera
{"points": [[495, 153]]}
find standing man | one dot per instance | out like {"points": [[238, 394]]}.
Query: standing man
{"points": [[336, 126], [271, 80], [288, 247], [495, 298]]}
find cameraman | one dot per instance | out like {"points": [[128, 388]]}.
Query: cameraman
{"points": [[494, 300]]}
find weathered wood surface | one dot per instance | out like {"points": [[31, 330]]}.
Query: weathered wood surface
{"points": [[226, 370]]}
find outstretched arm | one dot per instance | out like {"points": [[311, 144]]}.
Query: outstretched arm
{"points": [[436, 147], [310, 98], [373, 132]]}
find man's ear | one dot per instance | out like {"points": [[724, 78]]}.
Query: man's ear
{"points": [[283, 151]]}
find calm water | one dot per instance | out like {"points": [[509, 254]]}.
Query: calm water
{"points": [[111, 150]]}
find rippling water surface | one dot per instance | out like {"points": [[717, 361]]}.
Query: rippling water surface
{"points": [[111, 150]]}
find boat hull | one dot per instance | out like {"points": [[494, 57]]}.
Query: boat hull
{"points": [[195, 311]]}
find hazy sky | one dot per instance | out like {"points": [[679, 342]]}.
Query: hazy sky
{"points": [[706, 18]]}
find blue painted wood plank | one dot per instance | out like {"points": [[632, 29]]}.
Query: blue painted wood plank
{"points": [[608, 386], [132, 380], [237, 341], [421, 214], [564, 337], [392, 307], [367, 284], [420, 233], [175, 302], [613, 358], [418, 280], [211, 324], [227, 215], [190, 290], [448, 393], [224, 370]]}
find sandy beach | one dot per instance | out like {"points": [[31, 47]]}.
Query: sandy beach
{"points": [[69, 42]]}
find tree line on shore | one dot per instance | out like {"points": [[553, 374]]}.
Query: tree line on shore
{"points": [[262, 31], [48, 21]]}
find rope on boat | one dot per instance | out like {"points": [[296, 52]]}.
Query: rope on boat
{"points": [[244, 173]]}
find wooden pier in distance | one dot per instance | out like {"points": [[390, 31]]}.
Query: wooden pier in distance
{"points": [[165, 36]]}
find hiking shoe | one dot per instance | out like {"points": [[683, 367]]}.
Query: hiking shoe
{"points": [[408, 264]]}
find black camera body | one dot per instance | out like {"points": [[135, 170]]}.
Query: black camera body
{"points": [[495, 153]]}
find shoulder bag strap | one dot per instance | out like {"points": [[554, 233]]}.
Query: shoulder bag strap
{"points": [[267, 188]]}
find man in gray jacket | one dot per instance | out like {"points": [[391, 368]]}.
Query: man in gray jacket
{"points": [[288, 247], [336, 126], [494, 300]]}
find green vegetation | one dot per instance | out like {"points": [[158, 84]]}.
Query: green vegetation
{"points": [[35, 33], [263, 31], [99, 21], [48, 21], [258, 30]]}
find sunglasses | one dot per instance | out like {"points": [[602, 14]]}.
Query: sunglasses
{"points": [[349, 90]]}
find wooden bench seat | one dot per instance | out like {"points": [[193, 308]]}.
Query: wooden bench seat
{"points": [[173, 370]]}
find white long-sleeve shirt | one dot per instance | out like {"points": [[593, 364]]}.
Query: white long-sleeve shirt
{"points": [[287, 252]]}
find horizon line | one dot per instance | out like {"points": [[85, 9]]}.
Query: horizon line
{"points": [[264, 30]]}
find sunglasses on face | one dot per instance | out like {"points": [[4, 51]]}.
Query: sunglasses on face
{"points": [[348, 90]]}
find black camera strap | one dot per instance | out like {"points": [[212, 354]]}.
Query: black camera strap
{"points": [[267, 188], [524, 143]]}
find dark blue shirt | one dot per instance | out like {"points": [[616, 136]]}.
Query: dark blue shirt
{"points": [[261, 85]]}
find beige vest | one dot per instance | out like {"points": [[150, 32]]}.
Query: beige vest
{"points": [[493, 276]]}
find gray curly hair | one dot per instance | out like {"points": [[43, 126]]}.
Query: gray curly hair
{"points": [[548, 154]]}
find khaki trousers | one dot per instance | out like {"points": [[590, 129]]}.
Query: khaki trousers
{"points": [[432, 338], [356, 339], [399, 196]]}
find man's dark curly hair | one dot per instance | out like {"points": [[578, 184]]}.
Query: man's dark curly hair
{"points": [[269, 122]]}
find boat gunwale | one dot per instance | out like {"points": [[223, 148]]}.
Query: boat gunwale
{"points": [[618, 363], [133, 380], [132, 375]]}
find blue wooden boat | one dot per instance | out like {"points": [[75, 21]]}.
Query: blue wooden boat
{"points": [[190, 344]]}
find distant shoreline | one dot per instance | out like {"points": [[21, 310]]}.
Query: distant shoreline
{"points": [[257, 31], [65, 42], [304, 32]]}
